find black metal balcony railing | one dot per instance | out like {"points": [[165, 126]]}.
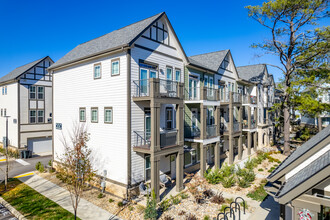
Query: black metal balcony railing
{"points": [[211, 131], [168, 137], [141, 88], [192, 132], [193, 93], [168, 88]]}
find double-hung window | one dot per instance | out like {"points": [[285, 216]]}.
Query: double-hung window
{"points": [[40, 116], [82, 114], [115, 67], [177, 75], [148, 168], [5, 90], [108, 115], [169, 118], [41, 91], [94, 115], [190, 157], [32, 116], [97, 71], [169, 71], [32, 92]]}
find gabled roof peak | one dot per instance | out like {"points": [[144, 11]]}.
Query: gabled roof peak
{"points": [[211, 60]]}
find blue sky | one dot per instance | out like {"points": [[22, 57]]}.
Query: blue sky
{"points": [[33, 29]]}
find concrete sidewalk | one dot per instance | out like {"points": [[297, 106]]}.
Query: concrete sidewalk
{"points": [[86, 210]]}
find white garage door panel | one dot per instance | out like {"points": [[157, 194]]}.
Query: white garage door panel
{"points": [[40, 145]]}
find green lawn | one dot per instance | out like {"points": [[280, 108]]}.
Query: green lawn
{"points": [[32, 204]]}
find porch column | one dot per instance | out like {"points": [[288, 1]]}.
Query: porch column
{"points": [[240, 147], [179, 170], [203, 159], [217, 155], [249, 117], [249, 142], [203, 121], [155, 126], [155, 160], [231, 149], [255, 141], [217, 119], [179, 124], [267, 119]]}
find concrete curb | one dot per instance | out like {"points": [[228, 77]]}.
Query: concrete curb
{"points": [[16, 213]]}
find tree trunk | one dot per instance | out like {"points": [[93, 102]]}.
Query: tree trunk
{"points": [[286, 131], [75, 214], [319, 123]]}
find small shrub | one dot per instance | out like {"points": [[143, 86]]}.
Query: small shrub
{"points": [[279, 162], [182, 212], [258, 194], [38, 165], [100, 195], [176, 200], [191, 217], [228, 182], [50, 163], [120, 204], [227, 170], [184, 196], [111, 200], [208, 193], [41, 168], [164, 205], [250, 164], [218, 199], [167, 217], [206, 217], [151, 212], [242, 182], [260, 170], [213, 177]]}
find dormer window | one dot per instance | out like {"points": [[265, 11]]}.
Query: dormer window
{"points": [[158, 32]]}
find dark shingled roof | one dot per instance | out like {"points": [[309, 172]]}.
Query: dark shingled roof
{"points": [[302, 150], [19, 71], [211, 61], [118, 38], [253, 73], [313, 168]]}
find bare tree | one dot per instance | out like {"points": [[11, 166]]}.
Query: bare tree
{"points": [[75, 167]]}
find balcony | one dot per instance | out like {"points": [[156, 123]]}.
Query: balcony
{"points": [[202, 93], [249, 99], [245, 124], [224, 128], [142, 139], [157, 88], [192, 132], [211, 131], [236, 126], [224, 96], [237, 97]]}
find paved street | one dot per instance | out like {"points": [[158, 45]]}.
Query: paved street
{"points": [[5, 214], [20, 166]]}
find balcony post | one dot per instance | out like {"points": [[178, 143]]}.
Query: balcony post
{"points": [[155, 125], [249, 117], [179, 170], [203, 121], [217, 94], [231, 150], [240, 117], [255, 141], [217, 155], [217, 120], [249, 139], [202, 97], [155, 161], [202, 159], [154, 87], [267, 119], [179, 124], [179, 89], [231, 129], [240, 147]]}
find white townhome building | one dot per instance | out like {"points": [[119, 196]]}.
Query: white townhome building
{"points": [[127, 87], [26, 96]]}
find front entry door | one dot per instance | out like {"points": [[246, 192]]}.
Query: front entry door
{"points": [[173, 166]]}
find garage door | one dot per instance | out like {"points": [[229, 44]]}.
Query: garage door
{"points": [[40, 145]]}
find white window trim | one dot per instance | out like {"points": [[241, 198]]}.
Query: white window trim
{"points": [[95, 65], [105, 109], [114, 61]]}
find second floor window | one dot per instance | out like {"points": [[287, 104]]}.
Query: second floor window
{"points": [[40, 116], [97, 71], [169, 118], [115, 68], [82, 114], [108, 115], [177, 75], [32, 92], [40, 92], [32, 117], [169, 73], [94, 116]]}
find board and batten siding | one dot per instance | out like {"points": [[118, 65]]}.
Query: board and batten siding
{"points": [[138, 162], [75, 87], [10, 103]]}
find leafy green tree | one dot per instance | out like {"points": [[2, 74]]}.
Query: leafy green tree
{"points": [[296, 46]]}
